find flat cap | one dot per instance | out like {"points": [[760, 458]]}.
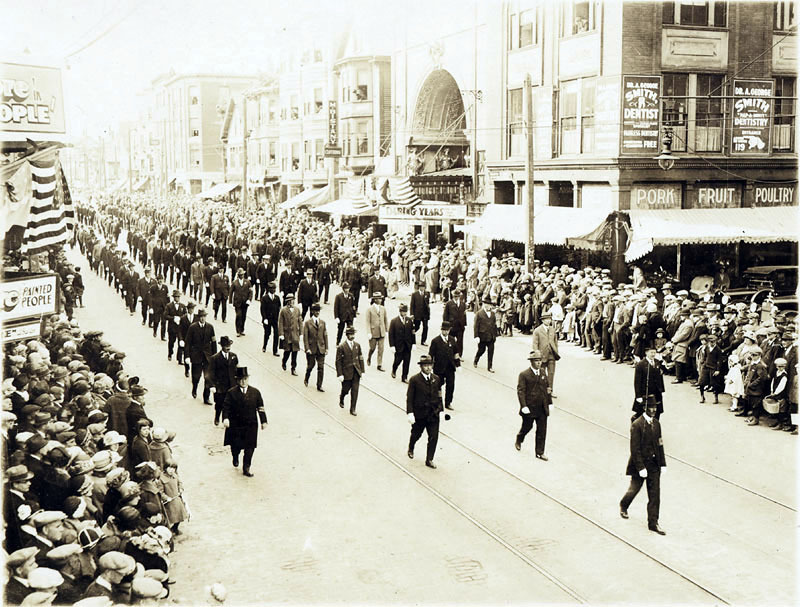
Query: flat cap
{"points": [[23, 555], [44, 577], [45, 517]]}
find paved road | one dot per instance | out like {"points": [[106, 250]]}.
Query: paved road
{"points": [[337, 513]]}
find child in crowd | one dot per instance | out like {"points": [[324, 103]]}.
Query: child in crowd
{"points": [[734, 382]]}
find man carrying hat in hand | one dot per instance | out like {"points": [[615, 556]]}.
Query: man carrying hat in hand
{"points": [[423, 405], [533, 393], [242, 414]]}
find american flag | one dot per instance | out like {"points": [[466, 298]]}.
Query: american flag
{"points": [[402, 192], [52, 215], [354, 190]]}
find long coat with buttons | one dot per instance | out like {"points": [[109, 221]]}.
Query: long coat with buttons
{"points": [[245, 413]]}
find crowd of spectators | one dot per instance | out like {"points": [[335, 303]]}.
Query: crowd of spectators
{"points": [[92, 497]]}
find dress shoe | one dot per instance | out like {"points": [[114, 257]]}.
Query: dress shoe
{"points": [[169, 357], [275, 354], [284, 366], [369, 361], [675, 381], [263, 349], [423, 344], [305, 382], [235, 461], [186, 373], [542, 457], [490, 370], [394, 375], [294, 372], [319, 389], [475, 365], [353, 413], [656, 529], [341, 404], [243, 335], [517, 446], [205, 402], [449, 407], [248, 473], [779, 427], [194, 393], [430, 464], [410, 454], [623, 513], [742, 413], [216, 422], [404, 380], [380, 368], [752, 421]]}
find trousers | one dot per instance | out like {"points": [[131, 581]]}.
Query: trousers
{"points": [[429, 424], [351, 386], [541, 431], [319, 361], [373, 342], [404, 357], [653, 494], [485, 346], [248, 457]]}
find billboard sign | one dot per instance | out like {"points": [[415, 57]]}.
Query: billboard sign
{"points": [[32, 99], [752, 117], [27, 297], [641, 111]]}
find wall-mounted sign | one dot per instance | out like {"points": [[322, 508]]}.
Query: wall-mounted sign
{"points": [[26, 297], [426, 211], [775, 195], [333, 124], [32, 99], [752, 117], [26, 330], [715, 195], [641, 108], [656, 196]]}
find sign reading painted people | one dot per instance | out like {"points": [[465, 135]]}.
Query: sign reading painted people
{"points": [[641, 103], [26, 297], [752, 114], [32, 99]]}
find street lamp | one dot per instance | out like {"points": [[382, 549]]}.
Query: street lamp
{"points": [[666, 160]]}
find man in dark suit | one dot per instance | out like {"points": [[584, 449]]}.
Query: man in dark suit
{"points": [[270, 308], [533, 393], [175, 310], [242, 413], [645, 463], [648, 380], [201, 346], [445, 362], [423, 405], [241, 294], [183, 329], [350, 367], [315, 343], [485, 333], [220, 286], [711, 376], [545, 341], [159, 298], [402, 339], [324, 271], [455, 312], [755, 386], [307, 292], [343, 310], [376, 284], [144, 293], [222, 371], [421, 311]]}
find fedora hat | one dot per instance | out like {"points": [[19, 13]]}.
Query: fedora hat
{"points": [[535, 355], [225, 341]]}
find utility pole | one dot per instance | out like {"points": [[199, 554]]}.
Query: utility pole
{"points": [[528, 102], [244, 152]]}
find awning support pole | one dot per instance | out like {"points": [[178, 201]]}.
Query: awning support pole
{"points": [[678, 260]]}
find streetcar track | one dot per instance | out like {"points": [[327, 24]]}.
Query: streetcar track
{"points": [[494, 464]]}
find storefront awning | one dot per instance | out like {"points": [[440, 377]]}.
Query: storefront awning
{"points": [[346, 206], [307, 198], [709, 226], [219, 190], [140, 184], [552, 225]]}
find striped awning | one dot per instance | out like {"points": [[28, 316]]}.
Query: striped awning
{"points": [[307, 198], [219, 190], [709, 226], [346, 206]]}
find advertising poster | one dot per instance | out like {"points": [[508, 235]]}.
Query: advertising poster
{"points": [[641, 109], [752, 117]]}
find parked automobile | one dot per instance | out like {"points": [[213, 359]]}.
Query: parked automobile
{"points": [[762, 281]]}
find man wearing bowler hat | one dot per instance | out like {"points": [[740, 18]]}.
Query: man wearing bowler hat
{"points": [[421, 310], [201, 345], [402, 339], [545, 341], [222, 369], [533, 393], [485, 333], [423, 405], [315, 343], [350, 367], [175, 310], [242, 413], [270, 308]]}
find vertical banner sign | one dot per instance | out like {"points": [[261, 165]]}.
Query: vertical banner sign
{"points": [[333, 134], [641, 109], [752, 113]]}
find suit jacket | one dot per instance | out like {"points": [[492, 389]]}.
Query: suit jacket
{"points": [[307, 292], [349, 361], [401, 334], [755, 380], [376, 284], [244, 412], [485, 326], [532, 392], [544, 340], [290, 327], [159, 297], [456, 315], [144, 289], [183, 326], [377, 322], [343, 308], [443, 354], [647, 447], [241, 292], [424, 398], [714, 359], [200, 342], [223, 372], [648, 380], [681, 339], [420, 306], [174, 310], [220, 286], [270, 308], [315, 339]]}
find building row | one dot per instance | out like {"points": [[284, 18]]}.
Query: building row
{"points": [[441, 100]]}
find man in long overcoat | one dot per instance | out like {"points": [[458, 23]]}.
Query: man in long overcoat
{"points": [[201, 346], [290, 328], [242, 414]]}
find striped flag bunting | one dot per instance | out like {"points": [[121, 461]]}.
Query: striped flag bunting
{"points": [[354, 190], [402, 193], [52, 214]]}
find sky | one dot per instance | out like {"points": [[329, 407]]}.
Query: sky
{"points": [[110, 50]]}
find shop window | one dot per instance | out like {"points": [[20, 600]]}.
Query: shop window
{"points": [[675, 108], [568, 119], [783, 15], [195, 133], [783, 129], [709, 113], [516, 124], [579, 16], [699, 13], [359, 137], [587, 116]]}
